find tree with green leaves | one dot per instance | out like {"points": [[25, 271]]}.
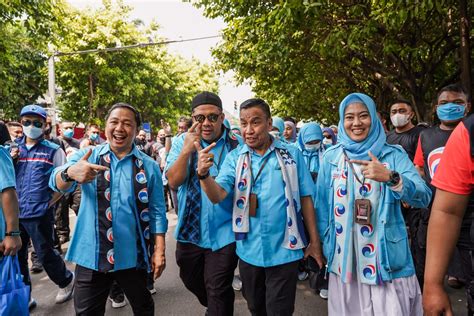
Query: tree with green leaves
{"points": [[305, 56], [25, 27], [159, 84]]}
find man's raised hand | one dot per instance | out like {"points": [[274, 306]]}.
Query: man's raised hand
{"points": [[83, 171], [205, 158]]}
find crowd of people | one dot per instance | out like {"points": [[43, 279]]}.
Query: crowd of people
{"points": [[360, 211]]}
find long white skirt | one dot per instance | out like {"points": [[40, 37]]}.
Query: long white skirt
{"points": [[401, 297]]}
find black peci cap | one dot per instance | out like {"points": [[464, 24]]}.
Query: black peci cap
{"points": [[206, 97]]}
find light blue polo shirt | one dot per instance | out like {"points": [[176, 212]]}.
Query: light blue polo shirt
{"points": [[263, 245], [7, 180], [84, 249], [216, 219]]}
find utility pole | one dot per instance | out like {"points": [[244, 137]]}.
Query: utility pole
{"points": [[52, 92], [465, 50]]}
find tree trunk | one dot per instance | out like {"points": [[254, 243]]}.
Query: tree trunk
{"points": [[91, 97], [465, 52]]}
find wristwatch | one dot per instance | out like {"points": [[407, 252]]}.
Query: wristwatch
{"points": [[65, 177], [394, 179], [202, 177], [13, 233]]}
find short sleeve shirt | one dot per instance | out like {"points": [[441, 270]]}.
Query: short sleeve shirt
{"points": [[455, 172], [7, 180], [263, 245]]}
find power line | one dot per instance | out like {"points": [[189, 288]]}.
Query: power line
{"points": [[139, 45]]}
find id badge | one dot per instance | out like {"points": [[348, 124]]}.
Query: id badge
{"points": [[253, 205], [362, 211]]}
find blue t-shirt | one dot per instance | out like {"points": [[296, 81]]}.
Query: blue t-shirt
{"points": [[263, 245], [7, 180]]}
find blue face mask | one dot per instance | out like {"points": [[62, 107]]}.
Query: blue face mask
{"points": [[450, 111], [68, 133], [32, 132], [326, 146], [93, 137]]}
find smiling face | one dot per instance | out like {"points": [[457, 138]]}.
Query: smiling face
{"points": [[210, 131], [357, 121], [255, 127], [120, 130]]}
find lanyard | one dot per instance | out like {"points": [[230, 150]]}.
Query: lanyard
{"points": [[254, 180], [352, 168]]}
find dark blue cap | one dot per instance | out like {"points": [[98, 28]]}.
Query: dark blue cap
{"points": [[33, 109]]}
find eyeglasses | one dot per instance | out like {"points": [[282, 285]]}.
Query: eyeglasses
{"points": [[201, 118], [35, 123], [328, 136]]}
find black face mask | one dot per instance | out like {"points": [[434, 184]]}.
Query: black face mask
{"points": [[162, 140]]}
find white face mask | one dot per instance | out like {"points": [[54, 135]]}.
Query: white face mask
{"points": [[400, 120], [313, 147], [275, 134], [327, 141]]}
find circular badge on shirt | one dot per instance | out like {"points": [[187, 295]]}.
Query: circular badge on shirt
{"points": [[107, 194], [107, 175], [141, 177], [238, 221], [143, 195], [110, 256], [108, 213], [145, 215], [110, 235], [293, 241], [139, 163], [241, 202], [107, 158], [146, 232]]}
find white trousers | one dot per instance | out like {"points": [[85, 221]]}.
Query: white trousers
{"points": [[400, 297]]}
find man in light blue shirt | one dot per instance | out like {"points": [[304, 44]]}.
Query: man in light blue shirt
{"points": [[272, 190], [10, 241], [205, 251], [122, 209]]}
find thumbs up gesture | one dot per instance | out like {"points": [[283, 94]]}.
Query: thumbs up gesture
{"points": [[205, 158], [83, 171], [373, 169]]}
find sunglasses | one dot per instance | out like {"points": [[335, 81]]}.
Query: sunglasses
{"points": [[201, 118], [328, 136], [35, 123]]}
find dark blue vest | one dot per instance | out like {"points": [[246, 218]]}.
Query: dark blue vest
{"points": [[33, 169]]}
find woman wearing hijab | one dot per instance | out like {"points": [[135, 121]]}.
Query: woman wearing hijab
{"points": [[278, 127], [309, 143], [329, 139], [290, 132], [361, 182]]}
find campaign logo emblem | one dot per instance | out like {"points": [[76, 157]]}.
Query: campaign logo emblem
{"points": [[110, 256], [339, 209], [139, 163], [108, 213], [146, 232], [107, 175], [242, 185], [434, 159], [241, 202], [107, 158], [141, 177], [107, 194], [367, 230], [110, 235], [145, 215], [293, 241], [339, 229], [368, 250], [143, 195], [341, 190], [369, 272], [365, 189], [239, 221]]}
